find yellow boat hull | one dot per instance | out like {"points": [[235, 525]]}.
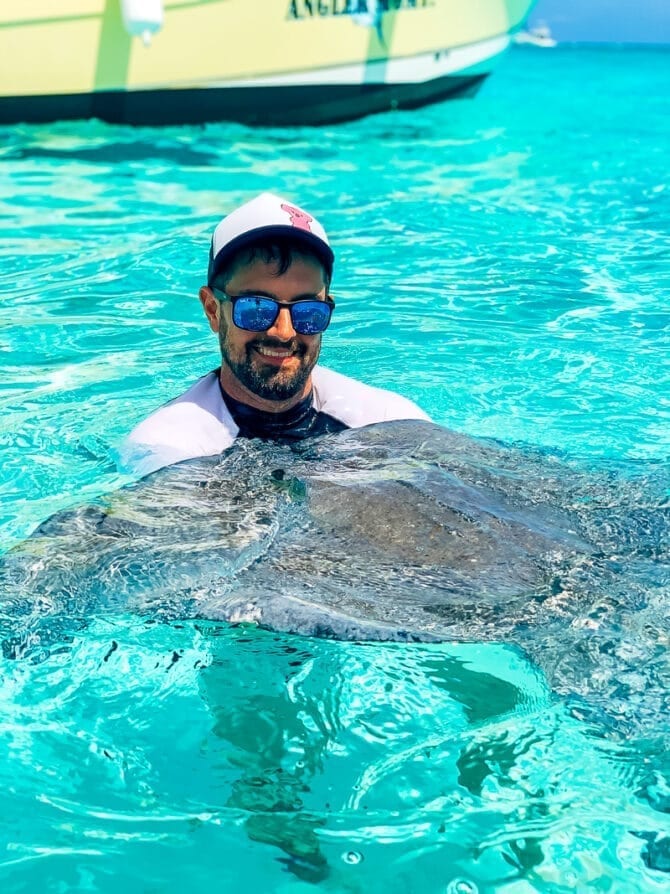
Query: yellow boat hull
{"points": [[264, 62]]}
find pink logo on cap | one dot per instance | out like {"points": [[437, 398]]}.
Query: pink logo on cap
{"points": [[298, 218]]}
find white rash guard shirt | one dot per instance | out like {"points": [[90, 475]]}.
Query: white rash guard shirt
{"points": [[198, 422]]}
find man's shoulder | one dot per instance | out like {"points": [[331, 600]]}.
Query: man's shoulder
{"points": [[196, 423], [356, 404]]}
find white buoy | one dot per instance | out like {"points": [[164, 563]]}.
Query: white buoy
{"points": [[142, 18]]}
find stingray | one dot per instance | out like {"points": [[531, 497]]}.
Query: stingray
{"points": [[400, 531]]}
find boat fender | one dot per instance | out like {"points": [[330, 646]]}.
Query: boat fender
{"points": [[142, 18], [370, 19]]}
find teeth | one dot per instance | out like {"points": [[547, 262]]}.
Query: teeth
{"points": [[270, 352]]}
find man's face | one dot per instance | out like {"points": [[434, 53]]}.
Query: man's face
{"points": [[269, 370]]}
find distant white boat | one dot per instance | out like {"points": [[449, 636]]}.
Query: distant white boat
{"points": [[537, 36]]}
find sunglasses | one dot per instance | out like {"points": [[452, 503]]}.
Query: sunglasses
{"points": [[256, 313]]}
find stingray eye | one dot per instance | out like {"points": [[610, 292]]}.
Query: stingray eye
{"points": [[278, 475]]}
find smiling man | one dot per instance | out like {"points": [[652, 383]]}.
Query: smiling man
{"points": [[267, 298]]}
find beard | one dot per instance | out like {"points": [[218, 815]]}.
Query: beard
{"points": [[263, 380]]}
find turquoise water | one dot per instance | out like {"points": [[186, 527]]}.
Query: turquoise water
{"points": [[502, 261]]}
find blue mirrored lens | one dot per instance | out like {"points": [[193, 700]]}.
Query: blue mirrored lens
{"points": [[310, 317], [255, 313]]}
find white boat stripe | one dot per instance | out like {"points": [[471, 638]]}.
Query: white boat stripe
{"points": [[423, 67]]}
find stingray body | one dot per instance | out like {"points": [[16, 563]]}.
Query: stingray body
{"points": [[398, 531]]}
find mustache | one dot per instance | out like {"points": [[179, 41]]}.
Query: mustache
{"points": [[291, 345]]}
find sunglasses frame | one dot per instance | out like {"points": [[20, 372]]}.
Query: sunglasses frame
{"points": [[328, 301]]}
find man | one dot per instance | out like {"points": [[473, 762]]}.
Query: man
{"points": [[267, 298]]}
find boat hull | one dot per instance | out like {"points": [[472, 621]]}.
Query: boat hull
{"points": [[267, 106], [289, 63]]}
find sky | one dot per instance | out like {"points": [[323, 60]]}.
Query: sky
{"points": [[627, 21]]}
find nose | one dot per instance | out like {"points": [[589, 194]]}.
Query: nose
{"points": [[282, 328]]}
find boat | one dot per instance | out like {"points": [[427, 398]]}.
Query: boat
{"points": [[267, 62], [537, 36]]}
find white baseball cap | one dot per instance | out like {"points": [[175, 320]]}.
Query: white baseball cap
{"points": [[267, 216]]}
